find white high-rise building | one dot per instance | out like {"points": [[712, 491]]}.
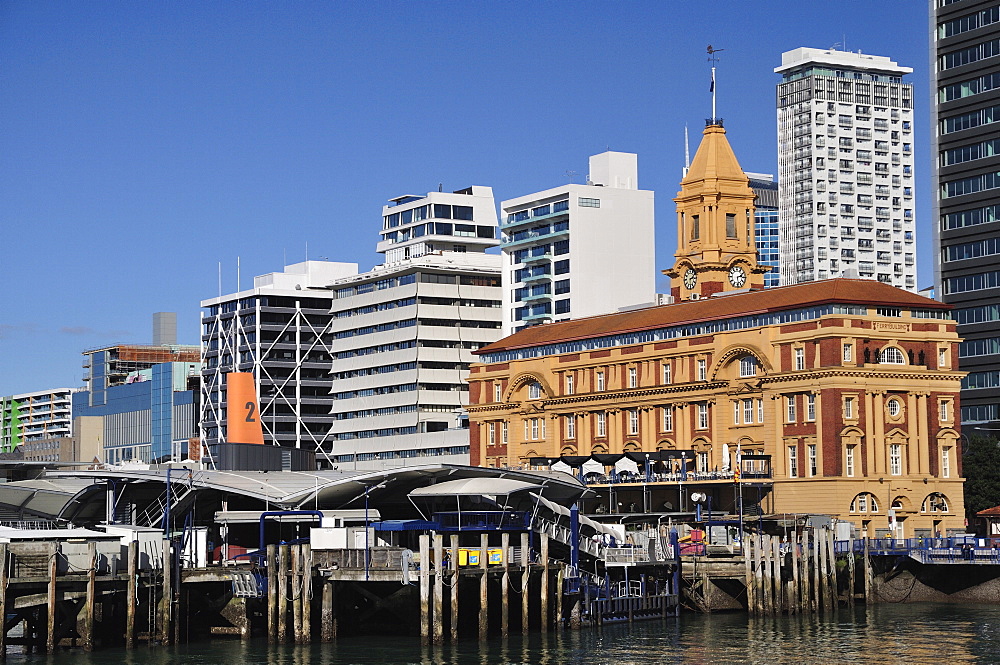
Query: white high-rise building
{"points": [[404, 333], [845, 167], [579, 250]]}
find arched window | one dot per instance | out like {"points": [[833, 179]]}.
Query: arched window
{"points": [[864, 503], [534, 390], [935, 502], [890, 355], [748, 366]]}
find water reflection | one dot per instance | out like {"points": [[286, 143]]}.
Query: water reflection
{"points": [[919, 633]]}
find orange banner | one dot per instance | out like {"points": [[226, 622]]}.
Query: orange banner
{"points": [[242, 412]]}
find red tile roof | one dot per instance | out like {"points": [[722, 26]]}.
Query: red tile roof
{"points": [[990, 512], [797, 296]]}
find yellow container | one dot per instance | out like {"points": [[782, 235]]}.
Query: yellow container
{"points": [[463, 557], [495, 556], [473, 557]]}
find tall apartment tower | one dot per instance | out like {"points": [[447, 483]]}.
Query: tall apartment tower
{"points": [[579, 250], [965, 111], [404, 333], [280, 331], [845, 168]]}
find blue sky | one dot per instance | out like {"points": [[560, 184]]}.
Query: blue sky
{"points": [[142, 143]]}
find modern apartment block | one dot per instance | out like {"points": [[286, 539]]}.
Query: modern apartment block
{"points": [[36, 416], [579, 250], [965, 112], [766, 229], [404, 333], [845, 168], [140, 403], [280, 331]]}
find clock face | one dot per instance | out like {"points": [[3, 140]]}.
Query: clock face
{"points": [[690, 278], [737, 276]]}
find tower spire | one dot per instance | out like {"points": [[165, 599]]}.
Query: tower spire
{"points": [[714, 59]]}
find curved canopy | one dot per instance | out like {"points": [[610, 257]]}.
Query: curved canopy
{"points": [[475, 487]]}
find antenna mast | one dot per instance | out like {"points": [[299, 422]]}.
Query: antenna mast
{"points": [[714, 59], [687, 152]]}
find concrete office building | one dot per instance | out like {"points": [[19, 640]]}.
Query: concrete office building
{"points": [[279, 331], [766, 228], [579, 250], [965, 109], [35, 416], [845, 168], [404, 333]]}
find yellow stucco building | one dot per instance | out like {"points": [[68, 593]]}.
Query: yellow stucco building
{"points": [[833, 397]]}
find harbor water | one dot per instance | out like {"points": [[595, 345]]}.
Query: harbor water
{"points": [[913, 634]]}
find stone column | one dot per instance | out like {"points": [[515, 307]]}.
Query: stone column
{"points": [[923, 437]]}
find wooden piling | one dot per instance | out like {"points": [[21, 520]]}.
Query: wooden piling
{"points": [[453, 623], [328, 617], [50, 637], [505, 587], [525, 582], [4, 575], [776, 574], [132, 593], [748, 573], [764, 567], [832, 560], [544, 596], [272, 594], [867, 570], [297, 593], [816, 570], [437, 616], [305, 587], [803, 573], [282, 590], [168, 591], [484, 605], [425, 587], [850, 574], [88, 607], [560, 583], [760, 591]]}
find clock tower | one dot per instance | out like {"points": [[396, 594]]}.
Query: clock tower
{"points": [[716, 248]]}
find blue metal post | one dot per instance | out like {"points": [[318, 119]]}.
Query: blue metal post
{"points": [[574, 528], [675, 543]]}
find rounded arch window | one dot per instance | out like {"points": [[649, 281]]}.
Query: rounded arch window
{"points": [[890, 355], [895, 407], [935, 503], [864, 503], [748, 366]]}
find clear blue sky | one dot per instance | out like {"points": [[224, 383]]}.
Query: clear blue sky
{"points": [[141, 143]]}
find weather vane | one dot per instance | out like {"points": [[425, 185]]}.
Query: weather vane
{"points": [[714, 59]]}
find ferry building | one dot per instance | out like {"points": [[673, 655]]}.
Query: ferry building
{"points": [[836, 397]]}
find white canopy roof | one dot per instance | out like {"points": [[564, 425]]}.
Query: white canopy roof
{"points": [[474, 487]]}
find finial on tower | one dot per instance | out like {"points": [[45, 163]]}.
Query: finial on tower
{"points": [[714, 59]]}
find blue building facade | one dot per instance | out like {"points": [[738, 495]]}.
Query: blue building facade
{"points": [[147, 415], [766, 189]]}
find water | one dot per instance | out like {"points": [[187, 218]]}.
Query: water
{"points": [[883, 634]]}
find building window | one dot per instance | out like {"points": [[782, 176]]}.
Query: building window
{"points": [[666, 373], [668, 419], [943, 411], [748, 366], [702, 370], [793, 461], [848, 407], [503, 433], [695, 227], [895, 407], [497, 392], [534, 391], [848, 353], [810, 407], [895, 459], [703, 416], [890, 355], [633, 421], [790, 408], [569, 384], [946, 462], [747, 411], [736, 412], [811, 451], [849, 461], [800, 358], [702, 462], [588, 203], [730, 225], [942, 357], [571, 426], [864, 503], [633, 377], [492, 427], [600, 381], [535, 429], [527, 429], [602, 424], [760, 410]]}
